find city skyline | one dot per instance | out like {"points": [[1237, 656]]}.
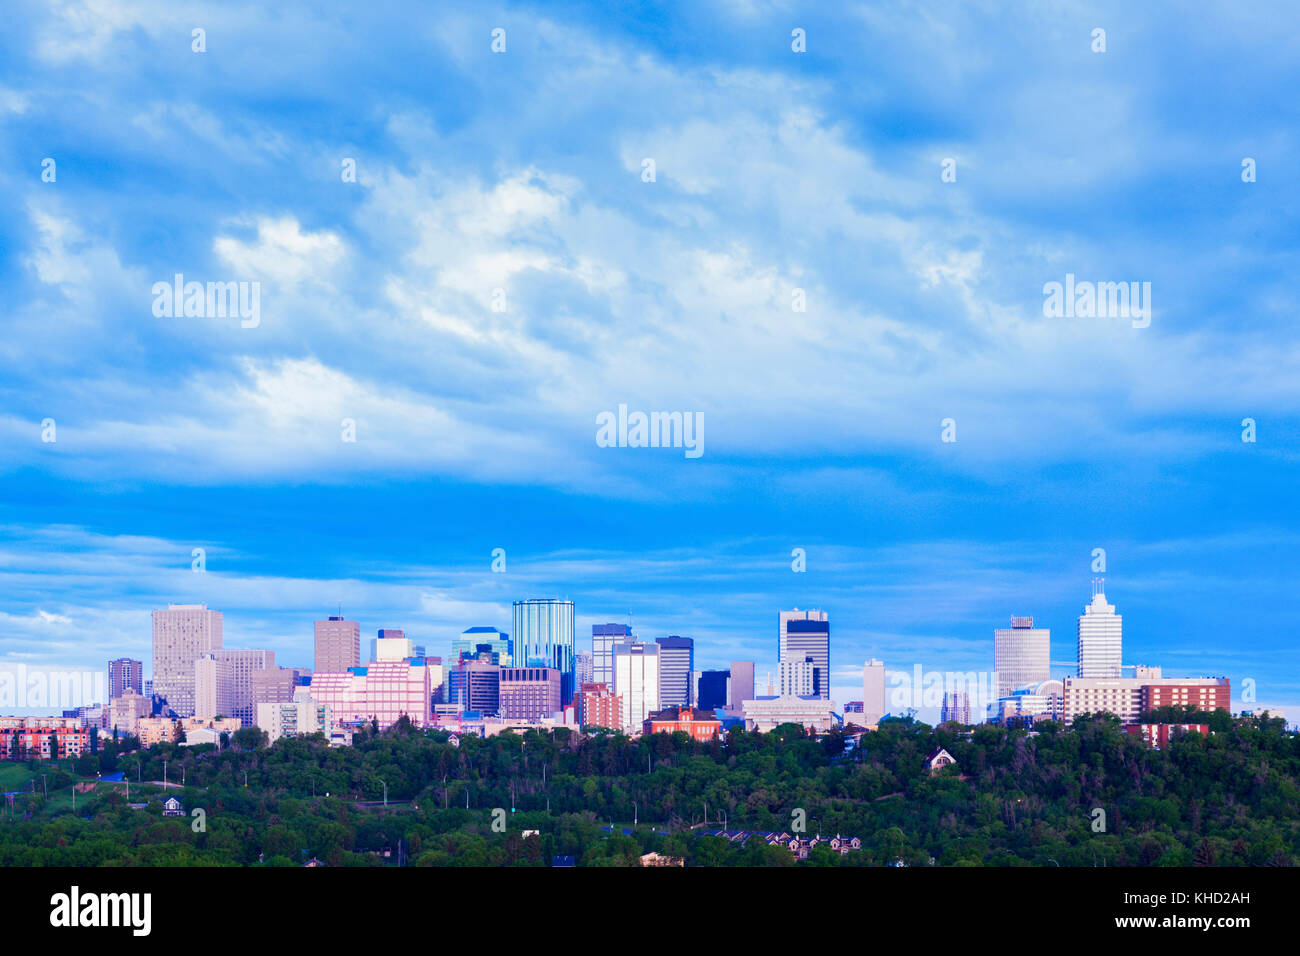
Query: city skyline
{"points": [[900, 676], [463, 269]]}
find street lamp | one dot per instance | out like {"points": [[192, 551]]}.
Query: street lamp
{"points": [[385, 794]]}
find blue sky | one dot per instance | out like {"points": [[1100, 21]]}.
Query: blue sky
{"points": [[775, 171]]}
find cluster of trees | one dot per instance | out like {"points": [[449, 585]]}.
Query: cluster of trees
{"points": [[1085, 795]]}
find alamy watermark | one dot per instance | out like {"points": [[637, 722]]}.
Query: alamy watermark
{"points": [[652, 430], [1093, 300], [23, 686], [213, 300]]}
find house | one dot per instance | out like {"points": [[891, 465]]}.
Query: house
{"points": [[658, 859], [938, 760], [172, 808]]}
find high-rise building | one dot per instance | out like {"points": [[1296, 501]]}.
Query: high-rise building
{"points": [[676, 661], [1100, 637], [480, 686], [584, 667], [873, 692], [277, 685], [544, 637], [956, 707], [807, 634], [242, 664], [598, 706], [795, 678], [603, 639], [1021, 655], [338, 645], [474, 639], [181, 635], [528, 692], [713, 689], [123, 673], [636, 681], [741, 687], [213, 687]]}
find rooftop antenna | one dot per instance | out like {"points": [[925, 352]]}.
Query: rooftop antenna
{"points": [[1098, 586]]}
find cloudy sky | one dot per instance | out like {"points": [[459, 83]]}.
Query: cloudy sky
{"points": [[500, 272]]}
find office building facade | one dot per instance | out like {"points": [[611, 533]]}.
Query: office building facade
{"points": [[636, 681], [603, 639], [181, 635], [741, 686], [528, 692], [713, 689], [676, 662], [123, 673], [873, 692], [338, 645], [1021, 655], [1100, 633], [807, 634], [544, 637]]}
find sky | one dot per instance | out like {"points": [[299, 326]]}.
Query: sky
{"points": [[503, 268]]}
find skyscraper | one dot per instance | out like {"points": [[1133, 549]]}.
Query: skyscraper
{"points": [[1021, 655], [807, 634], [583, 667], [1100, 637], [742, 683], [181, 635], [712, 689], [338, 645], [873, 691], [472, 639], [123, 673], [676, 661], [636, 681], [956, 707], [242, 664], [544, 637], [603, 639]]}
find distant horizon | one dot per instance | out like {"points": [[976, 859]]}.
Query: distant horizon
{"points": [[842, 692]]}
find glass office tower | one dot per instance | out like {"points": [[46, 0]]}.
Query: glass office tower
{"points": [[544, 637]]}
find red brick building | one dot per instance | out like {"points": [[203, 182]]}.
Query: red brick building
{"points": [[1199, 695], [597, 707], [700, 724], [33, 733]]}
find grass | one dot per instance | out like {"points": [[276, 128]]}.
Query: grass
{"points": [[14, 776]]}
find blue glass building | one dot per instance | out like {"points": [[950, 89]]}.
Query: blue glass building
{"points": [[544, 636]]}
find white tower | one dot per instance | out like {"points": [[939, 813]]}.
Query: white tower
{"points": [[1100, 650]]}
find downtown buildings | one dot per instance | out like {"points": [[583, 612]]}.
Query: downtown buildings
{"points": [[1021, 655], [806, 635], [1100, 645], [337, 645], [544, 636], [181, 635]]}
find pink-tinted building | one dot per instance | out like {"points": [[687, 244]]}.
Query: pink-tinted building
{"points": [[381, 691], [526, 692]]}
